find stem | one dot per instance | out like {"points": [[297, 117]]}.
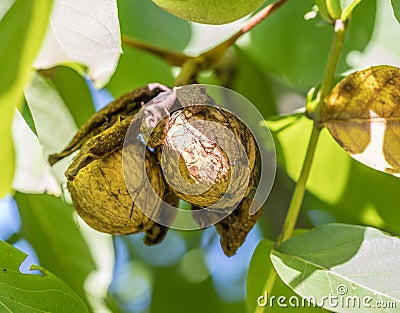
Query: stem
{"points": [[189, 71], [269, 284], [331, 65], [327, 82], [300, 189], [171, 57]]}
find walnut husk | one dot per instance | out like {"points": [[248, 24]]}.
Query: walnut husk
{"points": [[208, 161], [234, 229], [101, 198]]}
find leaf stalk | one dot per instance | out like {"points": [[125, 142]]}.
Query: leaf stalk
{"points": [[300, 189]]}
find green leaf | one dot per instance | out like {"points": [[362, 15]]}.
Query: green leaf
{"points": [[20, 293], [297, 53], [33, 173], [378, 208], [27, 115], [343, 261], [323, 10], [50, 227], [210, 11], [21, 32], [348, 7], [260, 267], [334, 8], [48, 112], [396, 9]]}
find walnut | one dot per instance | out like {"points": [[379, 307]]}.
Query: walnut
{"points": [[101, 198], [192, 150], [197, 143], [95, 177]]}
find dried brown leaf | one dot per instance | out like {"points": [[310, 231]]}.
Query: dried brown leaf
{"points": [[362, 113]]}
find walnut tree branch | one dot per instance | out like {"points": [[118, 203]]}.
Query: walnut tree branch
{"points": [[191, 66]]}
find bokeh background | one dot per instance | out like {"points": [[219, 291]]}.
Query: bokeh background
{"points": [[274, 66]]}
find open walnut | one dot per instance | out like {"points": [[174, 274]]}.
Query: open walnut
{"points": [[184, 132], [213, 149]]}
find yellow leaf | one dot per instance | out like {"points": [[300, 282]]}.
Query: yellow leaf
{"points": [[362, 113]]}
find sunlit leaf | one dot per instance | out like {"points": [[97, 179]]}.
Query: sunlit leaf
{"points": [[32, 292], [21, 32], [363, 115], [46, 110], [210, 11], [49, 225], [83, 32], [49, 112], [33, 173], [343, 261]]}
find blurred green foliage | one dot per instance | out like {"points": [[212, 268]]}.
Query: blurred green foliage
{"points": [[274, 67], [21, 30]]}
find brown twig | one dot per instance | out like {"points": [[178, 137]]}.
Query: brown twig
{"points": [[172, 57], [260, 16]]}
